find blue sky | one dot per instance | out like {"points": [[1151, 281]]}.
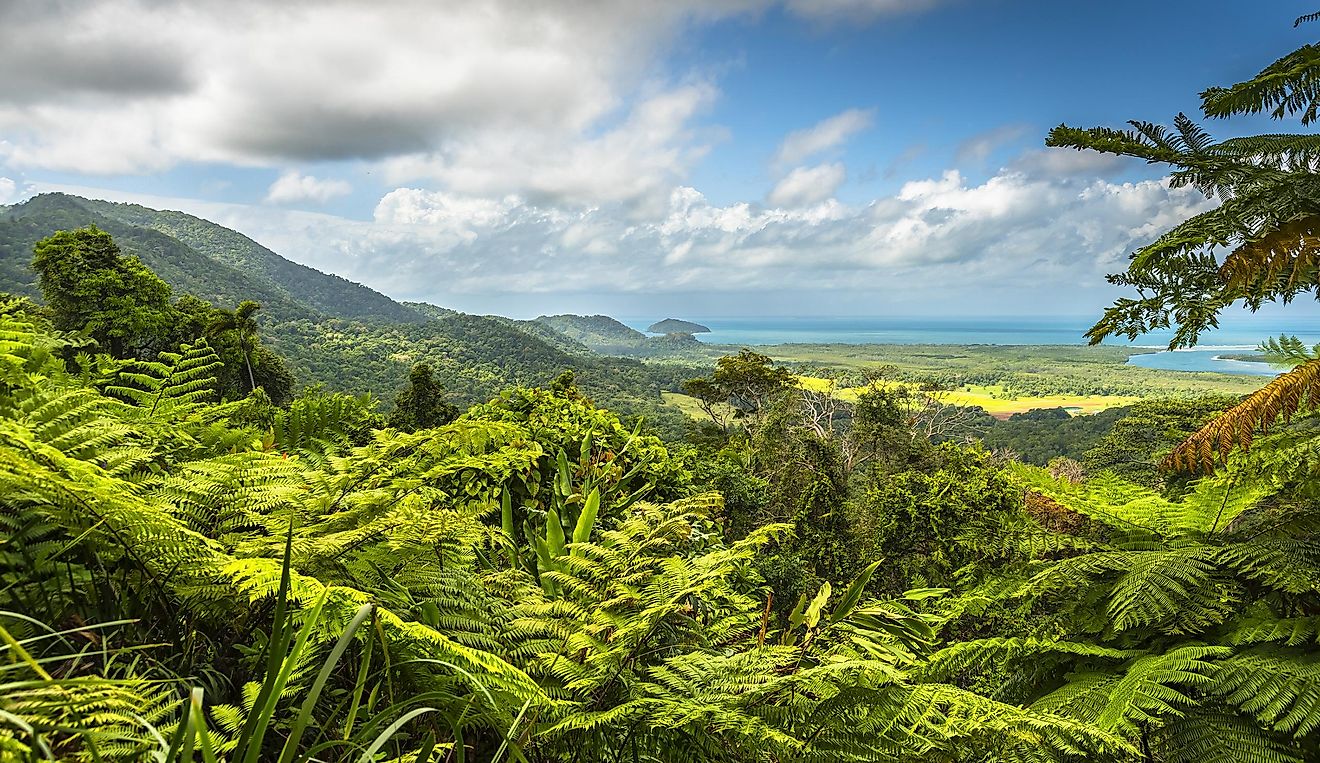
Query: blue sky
{"points": [[723, 157]]}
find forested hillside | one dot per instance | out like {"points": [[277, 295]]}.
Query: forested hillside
{"points": [[600, 332], [326, 293], [331, 331], [183, 267]]}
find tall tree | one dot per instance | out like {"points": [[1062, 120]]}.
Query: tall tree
{"points": [[749, 382], [241, 322], [90, 286], [1259, 245], [422, 404]]}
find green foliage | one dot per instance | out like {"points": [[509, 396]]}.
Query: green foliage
{"points": [[1265, 224], [321, 421], [748, 384], [185, 378], [422, 404], [916, 520], [1288, 351], [1139, 440], [90, 287], [1046, 433], [308, 593], [1185, 626]]}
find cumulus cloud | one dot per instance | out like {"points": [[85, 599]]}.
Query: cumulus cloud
{"points": [[944, 237], [823, 136], [808, 185], [137, 85], [636, 162], [8, 190], [293, 187], [1067, 162], [558, 100]]}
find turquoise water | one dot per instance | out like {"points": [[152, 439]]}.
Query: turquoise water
{"points": [[1205, 359], [1237, 334]]}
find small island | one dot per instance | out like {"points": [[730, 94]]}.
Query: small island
{"points": [[675, 326]]}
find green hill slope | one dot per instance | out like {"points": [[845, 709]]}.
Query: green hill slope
{"points": [[332, 331], [327, 293], [184, 268], [593, 330]]}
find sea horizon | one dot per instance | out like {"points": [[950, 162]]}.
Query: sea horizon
{"points": [[1236, 332]]}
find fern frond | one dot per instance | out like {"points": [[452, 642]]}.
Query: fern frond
{"points": [[1278, 686], [1278, 400], [1288, 86]]}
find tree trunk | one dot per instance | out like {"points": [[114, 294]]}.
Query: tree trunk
{"points": [[247, 359]]}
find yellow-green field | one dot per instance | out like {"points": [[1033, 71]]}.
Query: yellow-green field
{"points": [[690, 407], [1006, 406], [1003, 380], [992, 399]]}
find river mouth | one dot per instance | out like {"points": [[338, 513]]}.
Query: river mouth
{"points": [[1205, 360]]}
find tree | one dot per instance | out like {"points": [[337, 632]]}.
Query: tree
{"points": [[748, 381], [90, 286], [919, 521], [244, 327], [422, 404], [1259, 245]]}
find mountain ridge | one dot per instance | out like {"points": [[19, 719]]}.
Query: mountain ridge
{"points": [[332, 331]]}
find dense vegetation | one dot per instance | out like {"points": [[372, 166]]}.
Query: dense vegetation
{"points": [[330, 331], [1047, 433], [196, 568]]}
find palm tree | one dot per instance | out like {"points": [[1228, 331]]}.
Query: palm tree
{"points": [[242, 322]]}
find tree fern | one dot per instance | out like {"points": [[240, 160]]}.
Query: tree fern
{"points": [[1264, 224], [180, 379], [1281, 399]]}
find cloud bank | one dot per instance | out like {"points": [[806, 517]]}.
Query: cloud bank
{"points": [[1015, 234], [530, 148]]}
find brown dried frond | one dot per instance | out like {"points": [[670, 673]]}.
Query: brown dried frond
{"points": [[1279, 400], [1287, 260]]}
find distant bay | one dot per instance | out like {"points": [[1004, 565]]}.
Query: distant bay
{"points": [[1237, 334]]}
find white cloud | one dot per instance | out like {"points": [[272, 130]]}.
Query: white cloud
{"points": [[556, 100], [943, 238], [824, 135], [637, 161], [8, 190], [1064, 162], [292, 187], [939, 240], [808, 185]]}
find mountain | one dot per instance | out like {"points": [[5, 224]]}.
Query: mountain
{"points": [[325, 292], [184, 268], [332, 331], [201, 258], [676, 326]]}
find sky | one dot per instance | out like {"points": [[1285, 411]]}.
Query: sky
{"points": [[687, 157]]}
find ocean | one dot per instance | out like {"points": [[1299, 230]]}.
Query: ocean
{"points": [[1238, 333]]}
